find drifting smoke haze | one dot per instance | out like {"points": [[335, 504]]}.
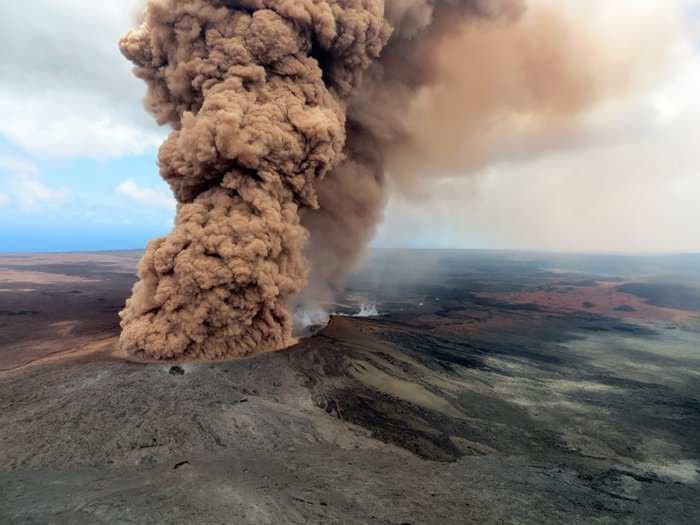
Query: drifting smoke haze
{"points": [[498, 89], [293, 119]]}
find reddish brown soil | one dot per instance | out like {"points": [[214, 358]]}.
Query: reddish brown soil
{"points": [[603, 299]]}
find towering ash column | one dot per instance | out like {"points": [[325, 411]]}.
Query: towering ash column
{"points": [[255, 93], [290, 116]]}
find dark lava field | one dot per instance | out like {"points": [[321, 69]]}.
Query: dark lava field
{"points": [[449, 387]]}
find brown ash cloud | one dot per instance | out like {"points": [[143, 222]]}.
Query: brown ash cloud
{"points": [[291, 119]]}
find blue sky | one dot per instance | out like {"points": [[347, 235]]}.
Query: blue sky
{"points": [[80, 203], [78, 152]]}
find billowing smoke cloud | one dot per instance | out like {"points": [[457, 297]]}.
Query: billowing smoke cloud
{"points": [[255, 91], [291, 118]]}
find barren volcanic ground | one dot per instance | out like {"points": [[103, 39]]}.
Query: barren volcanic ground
{"points": [[489, 388]]}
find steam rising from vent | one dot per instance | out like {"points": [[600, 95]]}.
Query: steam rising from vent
{"points": [[368, 311], [291, 119]]}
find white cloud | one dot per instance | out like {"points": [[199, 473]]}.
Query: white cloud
{"points": [[66, 89], [25, 190], [49, 125], [148, 196], [4, 199]]}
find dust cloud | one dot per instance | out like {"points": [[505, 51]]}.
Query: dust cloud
{"points": [[291, 122]]}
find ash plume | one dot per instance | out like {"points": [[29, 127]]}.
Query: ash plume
{"points": [[291, 119]]}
